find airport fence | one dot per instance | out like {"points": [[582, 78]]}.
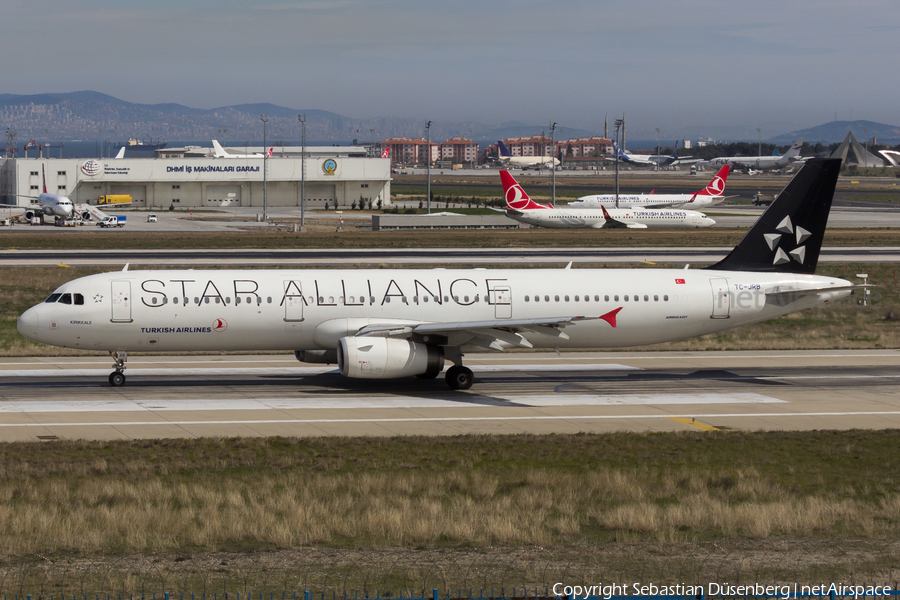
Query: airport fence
{"points": [[710, 591]]}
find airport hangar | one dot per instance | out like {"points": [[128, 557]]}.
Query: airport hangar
{"points": [[192, 177]]}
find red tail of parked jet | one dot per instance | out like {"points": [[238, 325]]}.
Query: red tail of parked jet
{"points": [[716, 187], [516, 198], [386, 153]]}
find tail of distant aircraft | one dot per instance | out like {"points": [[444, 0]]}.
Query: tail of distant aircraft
{"points": [[787, 237], [795, 149], [269, 153], [716, 186], [504, 151], [516, 198], [386, 153], [218, 150]]}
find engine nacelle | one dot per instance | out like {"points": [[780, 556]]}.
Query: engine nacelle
{"points": [[86, 216], [29, 215], [387, 358], [328, 357]]}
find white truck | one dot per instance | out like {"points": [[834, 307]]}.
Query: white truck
{"points": [[113, 221]]}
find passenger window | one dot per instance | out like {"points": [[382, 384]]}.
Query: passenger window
{"points": [[175, 300], [576, 298], [666, 298], [606, 298], [616, 297], [236, 300], [597, 298], [567, 298], [79, 299], [646, 298], [546, 298], [53, 298], [656, 298], [65, 299], [526, 298], [626, 298], [537, 298]]}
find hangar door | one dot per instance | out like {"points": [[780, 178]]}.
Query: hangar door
{"points": [[138, 193], [321, 193], [223, 195]]}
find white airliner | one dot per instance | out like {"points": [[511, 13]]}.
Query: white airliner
{"points": [[50, 205], [754, 164], [524, 162], [652, 160], [219, 152], [710, 195], [380, 324], [525, 210]]}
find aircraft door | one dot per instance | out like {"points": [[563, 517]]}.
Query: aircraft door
{"points": [[293, 301], [502, 298], [121, 302], [721, 298]]}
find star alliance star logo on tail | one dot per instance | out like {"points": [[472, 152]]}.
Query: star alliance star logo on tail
{"points": [[773, 239]]}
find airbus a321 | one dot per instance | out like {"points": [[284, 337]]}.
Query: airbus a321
{"points": [[380, 324], [525, 210], [711, 195]]}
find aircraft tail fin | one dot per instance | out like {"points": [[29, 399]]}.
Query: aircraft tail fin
{"points": [[218, 150], [504, 151], [516, 198], [795, 149], [121, 153], [386, 153], [716, 186], [788, 236], [269, 153]]}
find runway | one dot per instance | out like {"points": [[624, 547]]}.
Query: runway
{"points": [[196, 396]]}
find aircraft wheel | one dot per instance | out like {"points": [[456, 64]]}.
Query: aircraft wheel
{"points": [[459, 377], [116, 379]]}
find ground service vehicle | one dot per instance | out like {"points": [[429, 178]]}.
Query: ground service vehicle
{"points": [[115, 199]]}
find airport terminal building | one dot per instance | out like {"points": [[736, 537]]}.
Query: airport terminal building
{"points": [[192, 177]]}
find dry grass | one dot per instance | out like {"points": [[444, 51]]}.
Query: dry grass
{"points": [[106, 498], [471, 511]]}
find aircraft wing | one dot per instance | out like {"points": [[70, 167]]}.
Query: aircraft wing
{"points": [[497, 334]]}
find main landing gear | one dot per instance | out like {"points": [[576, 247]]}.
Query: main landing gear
{"points": [[117, 377], [459, 377]]}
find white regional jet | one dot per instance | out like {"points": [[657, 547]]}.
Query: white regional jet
{"points": [[380, 324], [525, 210], [755, 164], [710, 195], [50, 205]]}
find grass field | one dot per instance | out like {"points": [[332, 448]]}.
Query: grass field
{"points": [[351, 237], [567, 498]]}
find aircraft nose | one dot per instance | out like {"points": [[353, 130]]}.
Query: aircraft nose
{"points": [[29, 323]]}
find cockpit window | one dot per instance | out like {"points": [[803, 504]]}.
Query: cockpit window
{"points": [[53, 298], [65, 299], [79, 299]]}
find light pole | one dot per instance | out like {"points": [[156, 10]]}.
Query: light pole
{"points": [[428, 166], [759, 148], [302, 119], [265, 120], [866, 146], [553, 159], [657, 149], [619, 124]]}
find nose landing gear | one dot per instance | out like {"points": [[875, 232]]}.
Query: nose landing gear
{"points": [[117, 377]]}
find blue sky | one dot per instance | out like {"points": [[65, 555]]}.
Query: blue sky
{"points": [[673, 65]]}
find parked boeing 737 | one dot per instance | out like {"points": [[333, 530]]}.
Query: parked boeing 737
{"points": [[710, 195], [379, 324], [525, 210]]}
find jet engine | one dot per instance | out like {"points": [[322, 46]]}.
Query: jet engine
{"points": [[387, 358], [29, 215]]}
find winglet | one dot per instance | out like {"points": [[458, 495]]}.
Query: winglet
{"points": [[610, 317]]}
